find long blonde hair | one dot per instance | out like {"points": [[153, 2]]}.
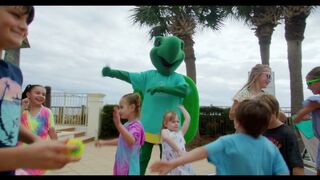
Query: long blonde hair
{"points": [[256, 71]]}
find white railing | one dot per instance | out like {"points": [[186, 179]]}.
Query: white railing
{"points": [[79, 110], [70, 108]]}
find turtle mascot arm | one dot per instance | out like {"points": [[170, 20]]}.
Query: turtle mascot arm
{"points": [[180, 91], [119, 74]]}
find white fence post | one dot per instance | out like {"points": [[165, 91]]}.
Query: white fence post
{"points": [[95, 104]]}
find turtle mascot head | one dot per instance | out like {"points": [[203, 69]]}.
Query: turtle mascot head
{"points": [[167, 54]]}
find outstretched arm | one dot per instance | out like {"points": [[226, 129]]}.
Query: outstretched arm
{"points": [[163, 167], [26, 136], [180, 91], [41, 154], [306, 110], [119, 74], [111, 142]]}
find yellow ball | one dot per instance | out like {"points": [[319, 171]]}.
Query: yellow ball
{"points": [[78, 152]]}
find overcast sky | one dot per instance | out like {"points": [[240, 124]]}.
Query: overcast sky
{"points": [[71, 44]]}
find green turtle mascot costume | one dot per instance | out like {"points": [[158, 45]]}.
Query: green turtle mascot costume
{"points": [[162, 90]]}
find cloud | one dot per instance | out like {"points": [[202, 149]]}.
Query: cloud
{"points": [[71, 44]]}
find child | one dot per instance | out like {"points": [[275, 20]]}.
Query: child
{"points": [[37, 118], [283, 137], [172, 140], [244, 153], [312, 105], [14, 22], [131, 136], [259, 78]]}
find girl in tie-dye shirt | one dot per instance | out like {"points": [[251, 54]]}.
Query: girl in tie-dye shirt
{"points": [[131, 136], [37, 118]]}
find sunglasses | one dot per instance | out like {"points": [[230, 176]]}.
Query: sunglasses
{"points": [[310, 82], [269, 77]]}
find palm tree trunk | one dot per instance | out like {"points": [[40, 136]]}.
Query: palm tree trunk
{"points": [[265, 53], [294, 33], [190, 57], [294, 61], [264, 34]]}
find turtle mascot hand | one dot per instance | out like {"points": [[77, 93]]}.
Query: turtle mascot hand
{"points": [[162, 90]]}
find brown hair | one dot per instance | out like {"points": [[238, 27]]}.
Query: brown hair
{"points": [[314, 73], [135, 99], [272, 102], [168, 116], [29, 10], [253, 116], [28, 88]]}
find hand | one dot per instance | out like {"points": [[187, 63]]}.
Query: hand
{"points": [[48, 155], [153, 90], [97, 144], [106, 71], [25, 103], [181, 107], [116, 116], [162, 167]]}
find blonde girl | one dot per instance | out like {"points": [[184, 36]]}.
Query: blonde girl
{"points": [[131, 136], [172, 140], [259, 78]]}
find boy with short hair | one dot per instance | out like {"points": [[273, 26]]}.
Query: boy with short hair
{"points": [[283, 137]]}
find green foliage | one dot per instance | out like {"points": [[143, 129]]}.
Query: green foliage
{"points": [[213, 121], [108, 129]]}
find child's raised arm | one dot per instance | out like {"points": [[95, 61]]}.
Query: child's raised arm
{"points": [[127, 136], [186, 121]]}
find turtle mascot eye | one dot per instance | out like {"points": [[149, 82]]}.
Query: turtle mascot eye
{"points": [[161, 90]]}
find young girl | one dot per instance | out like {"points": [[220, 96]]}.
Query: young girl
{"points": [[172, 140], [312, 105], [37, 118], [131, 136], [259, 78], [242, 153]]}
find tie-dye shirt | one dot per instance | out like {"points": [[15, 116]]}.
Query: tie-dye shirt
{"points": [[39, 125], [127, 157], [10, 103]]}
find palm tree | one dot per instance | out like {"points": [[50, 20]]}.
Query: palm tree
{"points": [[295, 24], [263, 19], [180, 21]]}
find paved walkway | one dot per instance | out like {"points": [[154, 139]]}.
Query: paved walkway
{"points": [[99, 161]]}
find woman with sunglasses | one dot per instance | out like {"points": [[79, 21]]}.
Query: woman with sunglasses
{"points": [[259, 78], [312, 105]]}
